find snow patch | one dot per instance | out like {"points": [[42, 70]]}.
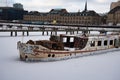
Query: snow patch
{"points": [[97, 67]]}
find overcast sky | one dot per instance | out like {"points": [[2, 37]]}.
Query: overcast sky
{"points": [[100, 6]]}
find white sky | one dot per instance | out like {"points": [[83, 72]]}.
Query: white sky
{"points": [[100, 6]]}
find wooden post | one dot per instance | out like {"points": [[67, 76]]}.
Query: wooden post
{"points": [[89, 32], [73, 32], [51, 32], [23, 33], [42, 32], [55, 32], [66, 32], [11, 34], [43, 29], [15, 33], [47, 33], [27, 33], [70, 32], [77, 31]]}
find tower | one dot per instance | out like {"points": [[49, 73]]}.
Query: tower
{"points": [[85, 6]]}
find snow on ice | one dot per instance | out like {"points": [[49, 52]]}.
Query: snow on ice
{"points": [[97, 67]]}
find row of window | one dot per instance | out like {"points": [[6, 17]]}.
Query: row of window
{"points": [[92, 44], [65, 18], [69, 21], [76, 17]]}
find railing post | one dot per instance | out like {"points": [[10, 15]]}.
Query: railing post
{"points": [[11, 33], [47, 33], [43, 29], [27, 33], [15, 33], [23, 33], [51, 33]]}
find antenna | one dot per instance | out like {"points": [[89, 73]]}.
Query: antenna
{"points": [[6, 2]]}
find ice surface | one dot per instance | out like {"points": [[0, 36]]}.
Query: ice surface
{"points": [[97, 67]]}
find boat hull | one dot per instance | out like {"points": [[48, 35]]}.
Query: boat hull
{"points": [[59, 49], [60, 55]]}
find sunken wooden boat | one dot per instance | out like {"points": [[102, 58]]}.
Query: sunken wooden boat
{"points": [[68, 46]]}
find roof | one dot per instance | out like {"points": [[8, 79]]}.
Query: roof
{"points": [[114, 10], [11, 8], [58, 11], [36, 13], [84, 13], [90, 13], [63, 12]]}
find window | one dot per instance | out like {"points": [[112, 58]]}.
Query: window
{"points": [[111, 42], [99, 43], [92, 43], [49, 55], [65, 39], [1, 10], [105, 42], [72, 39], [53, 55]]}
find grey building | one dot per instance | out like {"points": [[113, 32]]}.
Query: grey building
{"points": [[11, 13]]}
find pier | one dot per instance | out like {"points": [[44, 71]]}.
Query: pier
{"points": [[53, 29]]}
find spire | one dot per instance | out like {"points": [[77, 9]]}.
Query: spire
{"points": [[85, 6]]}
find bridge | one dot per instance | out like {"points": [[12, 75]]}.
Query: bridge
{"points": [[54, 28]]}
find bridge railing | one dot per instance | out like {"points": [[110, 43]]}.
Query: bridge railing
{"points": [[13, 26]]}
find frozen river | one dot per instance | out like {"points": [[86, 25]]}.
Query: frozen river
{"points": [[97, 67]]}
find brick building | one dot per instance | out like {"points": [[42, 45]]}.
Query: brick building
{"points": [[62, 16], [113, 16], [114, 4]]}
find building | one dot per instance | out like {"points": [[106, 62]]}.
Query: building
{"points": [[113, 17], [18, 5], [12, 13], [114, 4], [62, 16]]}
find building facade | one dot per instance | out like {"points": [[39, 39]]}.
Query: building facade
{"points": [[12, 13], [113, 16], [62, 16], [114, 4]]}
